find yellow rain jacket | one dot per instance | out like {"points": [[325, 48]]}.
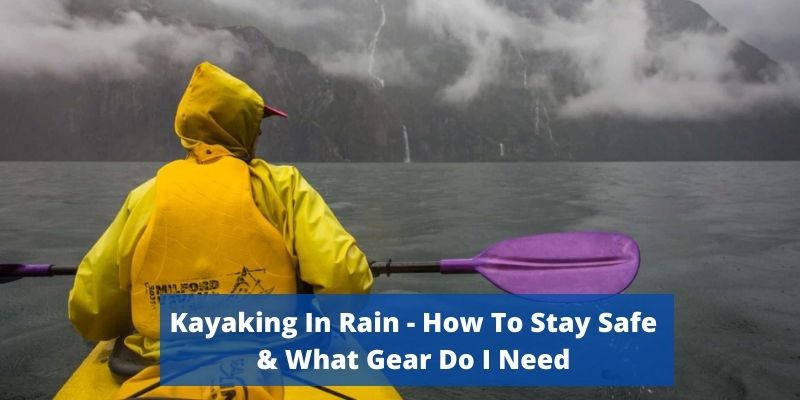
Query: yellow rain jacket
{"points": [[220, 221]]}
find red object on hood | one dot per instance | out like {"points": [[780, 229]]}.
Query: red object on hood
{"points": [[270, 111]]}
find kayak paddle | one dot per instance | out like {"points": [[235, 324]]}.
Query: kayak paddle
{"points": [[553, 263]]}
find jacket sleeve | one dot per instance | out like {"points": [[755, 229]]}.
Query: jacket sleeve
{"points": [[98, 308], [99, 302], [330, 260]]}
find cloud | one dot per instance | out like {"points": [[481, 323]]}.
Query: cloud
{"points": [[622, 67], [627, 71], [765, 19], [392, 66], [288, 14], [770, 25], [607, 47], [335, 34], [40, 36], [481, 27]]}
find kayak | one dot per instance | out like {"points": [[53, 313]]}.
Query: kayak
{"points": [[93, 380]]}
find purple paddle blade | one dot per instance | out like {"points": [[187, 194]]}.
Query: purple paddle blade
{"points": [[556, 263]]}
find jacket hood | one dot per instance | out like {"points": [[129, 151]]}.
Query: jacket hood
{"points": [[218, 115]]}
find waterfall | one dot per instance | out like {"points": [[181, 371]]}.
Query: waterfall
{"points": [[538, 123], [502, 151], [407, 158], [549, 131], [541, 116], [373, 45], [525, 78], [524, 69]]}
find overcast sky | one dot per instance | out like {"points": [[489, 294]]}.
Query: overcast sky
{"points": [[606, 43], [771, 25]]}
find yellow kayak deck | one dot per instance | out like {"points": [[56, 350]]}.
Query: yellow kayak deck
{"points": [[94, 380]]}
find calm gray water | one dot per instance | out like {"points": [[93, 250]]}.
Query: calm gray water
{"points": [[723, 237]]}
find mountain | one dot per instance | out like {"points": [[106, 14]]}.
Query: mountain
{"points": [[339, 118], [96, 118]]}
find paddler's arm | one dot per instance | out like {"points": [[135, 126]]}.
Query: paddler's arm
{"points": [[99, 302], [330, 260], [328, 257]]}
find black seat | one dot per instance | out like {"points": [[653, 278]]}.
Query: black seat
{"points": [[124, 363]]}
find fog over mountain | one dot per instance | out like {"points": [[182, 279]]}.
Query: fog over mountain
{"points": [[770, 25], [452, 79]]}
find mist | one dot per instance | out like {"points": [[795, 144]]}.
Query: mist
{"points": [[624, 68], [42, 37], [621, 66], [768, 24]]}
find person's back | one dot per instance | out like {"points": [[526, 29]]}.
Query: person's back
{"points": [[205, 235], [219, 221]]}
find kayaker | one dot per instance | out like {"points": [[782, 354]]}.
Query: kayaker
{"points": [[218, 221]]}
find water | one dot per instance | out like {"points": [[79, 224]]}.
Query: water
{"points": [[723, 237]]}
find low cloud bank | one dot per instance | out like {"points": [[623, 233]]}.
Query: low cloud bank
{"points": [[619, 66]]}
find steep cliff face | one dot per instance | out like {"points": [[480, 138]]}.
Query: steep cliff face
{"points": [[335, 118], [524, 119], [331, 118], [97, 118], [676, 16]]}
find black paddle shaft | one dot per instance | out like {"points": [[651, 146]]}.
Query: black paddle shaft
{"points": [[378, 268], [12, 272], [56, 270], [403, 267]]}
